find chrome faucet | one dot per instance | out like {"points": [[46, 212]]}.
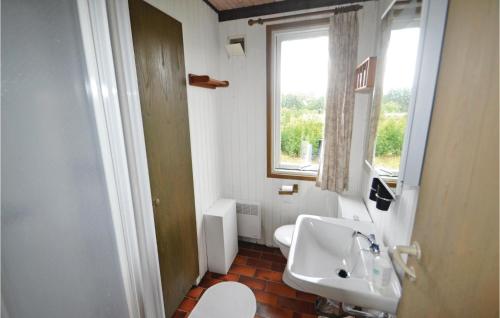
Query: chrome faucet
{"points": [[374, 247]]}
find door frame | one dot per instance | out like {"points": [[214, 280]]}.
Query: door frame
{"points": [[119, 125], [120, 33]]}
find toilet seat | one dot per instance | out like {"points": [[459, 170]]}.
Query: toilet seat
{"points": [[226, 300], [283, 234]]}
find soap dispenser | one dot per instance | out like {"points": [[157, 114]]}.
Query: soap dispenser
{"points": [[381, 273]]}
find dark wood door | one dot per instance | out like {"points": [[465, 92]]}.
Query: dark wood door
{"points": [[159, 58]]}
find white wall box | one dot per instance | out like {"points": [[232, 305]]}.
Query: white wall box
{"points": [[221, 235]]}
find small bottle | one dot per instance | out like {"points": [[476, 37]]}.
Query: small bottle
{"points": [[381, 274]]}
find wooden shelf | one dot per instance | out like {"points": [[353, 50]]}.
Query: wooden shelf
{"points": [[206, 82], [365, 75]]}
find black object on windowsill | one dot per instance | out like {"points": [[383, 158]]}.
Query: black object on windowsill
{"points": [[374, 187], [384, 197]]}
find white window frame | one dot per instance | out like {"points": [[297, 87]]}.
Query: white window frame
{"points": [[275, 168]]}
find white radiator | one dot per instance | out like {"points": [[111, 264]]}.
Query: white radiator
{"points": [[249, 219]]}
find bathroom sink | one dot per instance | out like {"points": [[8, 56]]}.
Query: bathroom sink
{"points": [[326, 260]]}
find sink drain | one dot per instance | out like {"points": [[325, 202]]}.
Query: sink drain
{"points": [[342, 273]]}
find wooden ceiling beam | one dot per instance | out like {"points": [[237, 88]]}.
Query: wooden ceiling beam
{"points": [[277, 7]]}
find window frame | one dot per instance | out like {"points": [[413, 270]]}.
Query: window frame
{"points": [[273, 99]]}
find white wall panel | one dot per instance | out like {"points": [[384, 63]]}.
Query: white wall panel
{"points": [[242, 129]]}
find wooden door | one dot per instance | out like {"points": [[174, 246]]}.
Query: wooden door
{"points": [[159, 58], [457, 217]]}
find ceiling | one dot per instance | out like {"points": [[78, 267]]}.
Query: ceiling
{"points": [[222, 5]]}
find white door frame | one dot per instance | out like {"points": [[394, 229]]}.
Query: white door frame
{"points": [[115, 96], [133, 131]]}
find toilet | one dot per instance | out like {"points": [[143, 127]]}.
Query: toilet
{"points": [[349, 208], [283, 238], [226, 300]]}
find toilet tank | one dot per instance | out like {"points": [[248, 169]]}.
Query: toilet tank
{"points": [[353, 208]]}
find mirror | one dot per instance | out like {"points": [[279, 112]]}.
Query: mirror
{"points": [[393, 95]]}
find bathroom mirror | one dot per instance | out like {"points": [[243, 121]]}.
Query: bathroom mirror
{"points": [[394, 91]]}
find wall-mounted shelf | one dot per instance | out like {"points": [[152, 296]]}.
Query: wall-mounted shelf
{"points": [[365, 75], [206, 82]]}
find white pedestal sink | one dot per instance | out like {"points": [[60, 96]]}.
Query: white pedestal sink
{"points": [[323, 246]]}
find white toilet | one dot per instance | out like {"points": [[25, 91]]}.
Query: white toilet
{"points": [[349, 208], [283, 238]]}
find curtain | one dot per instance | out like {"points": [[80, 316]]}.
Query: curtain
{"points": [[385, 34], [333, 173]]}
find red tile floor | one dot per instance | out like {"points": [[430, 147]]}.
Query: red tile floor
{"points": [[260, 268]]}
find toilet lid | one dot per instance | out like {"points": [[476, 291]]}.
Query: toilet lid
{"points": [[226, 300], [284, 234]]}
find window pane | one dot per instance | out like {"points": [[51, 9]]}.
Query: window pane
{"points": [[303, 80], [397, 86]]}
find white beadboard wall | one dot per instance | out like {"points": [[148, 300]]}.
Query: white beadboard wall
{"points": [[242, 129], [201, 53], [228, 136]]}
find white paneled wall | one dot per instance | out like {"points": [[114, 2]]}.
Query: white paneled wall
{"points": [[201, 52], [242, 115], [228, 128]]}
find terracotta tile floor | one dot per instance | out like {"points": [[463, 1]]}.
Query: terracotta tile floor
{"points": [[260, 268]]}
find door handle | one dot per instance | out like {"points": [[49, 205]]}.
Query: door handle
{"points": [[412, 250], [156, 202]]}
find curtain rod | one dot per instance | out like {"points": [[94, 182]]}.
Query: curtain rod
{"points": [[342, 9]]}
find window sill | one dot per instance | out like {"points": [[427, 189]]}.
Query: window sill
{"points": [[291, 175]]}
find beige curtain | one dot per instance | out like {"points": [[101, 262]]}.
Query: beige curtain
{"points": [[333, 174], [383, 43]]}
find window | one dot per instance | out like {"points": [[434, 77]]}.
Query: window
{"points": [[398, 83], [297, 80]]}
